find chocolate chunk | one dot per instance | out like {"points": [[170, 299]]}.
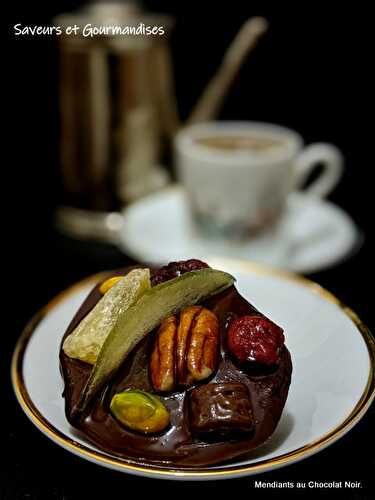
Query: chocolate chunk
{"points": [[221, 408]]}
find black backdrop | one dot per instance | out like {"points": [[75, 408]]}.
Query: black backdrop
{"points": [[312, 72]]}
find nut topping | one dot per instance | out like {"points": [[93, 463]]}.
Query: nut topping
{"points": [[184, 334], [185, 349], [162, 358], [140, 411], [202, 354]]}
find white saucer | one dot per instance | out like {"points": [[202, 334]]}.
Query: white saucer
{"points": [[333, 383], [314, 234]]}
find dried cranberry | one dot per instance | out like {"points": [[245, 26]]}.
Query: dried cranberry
{"points": [[255, 339], [174, 269]]}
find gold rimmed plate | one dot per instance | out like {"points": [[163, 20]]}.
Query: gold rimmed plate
{"points": [[333, 380]]}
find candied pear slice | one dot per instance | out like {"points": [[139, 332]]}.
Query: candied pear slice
{"points": [[88, 337], [146, 314]]}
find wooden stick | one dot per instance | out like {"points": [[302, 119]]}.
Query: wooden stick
{"points": [[244, 42]]}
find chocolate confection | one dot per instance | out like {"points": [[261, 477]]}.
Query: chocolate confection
{"points": [[212, 421], [221, 408]]}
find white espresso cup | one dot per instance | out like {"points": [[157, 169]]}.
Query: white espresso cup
{"points": [[238, 175]]}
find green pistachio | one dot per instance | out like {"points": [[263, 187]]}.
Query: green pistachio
{"points": [[140, 411]]}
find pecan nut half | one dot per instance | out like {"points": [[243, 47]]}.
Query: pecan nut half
{"points": [[185, 349], [162, 366]]}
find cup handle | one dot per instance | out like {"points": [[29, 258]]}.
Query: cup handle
{"points": [[332, 160]]}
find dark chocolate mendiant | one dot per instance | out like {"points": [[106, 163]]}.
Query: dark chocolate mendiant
{"points": [[199, 434]]}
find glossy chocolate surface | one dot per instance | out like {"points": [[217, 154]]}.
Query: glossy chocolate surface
{"points": [[180, 444]]}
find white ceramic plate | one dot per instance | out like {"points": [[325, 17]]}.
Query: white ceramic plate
{"points": [[314, 234], [332, 386]]}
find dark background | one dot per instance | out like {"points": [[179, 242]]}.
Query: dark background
{"points": [[312, 72]]}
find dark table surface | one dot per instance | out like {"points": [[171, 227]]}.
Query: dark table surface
{"points": [[36, 468]]}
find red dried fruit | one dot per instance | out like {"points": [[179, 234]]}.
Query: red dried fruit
{"points": [[256, 339], [174, 269]]}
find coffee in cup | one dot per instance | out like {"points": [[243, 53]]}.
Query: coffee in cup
{"points": [[238, 175]]}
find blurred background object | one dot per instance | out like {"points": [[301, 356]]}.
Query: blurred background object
{"points": [[239, 175], [298, 76], [117, 106], [119, 112], [119, 121]]}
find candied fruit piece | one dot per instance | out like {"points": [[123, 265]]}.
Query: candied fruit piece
{"points": [[87, 339], [174, 269], [255, 339]]}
